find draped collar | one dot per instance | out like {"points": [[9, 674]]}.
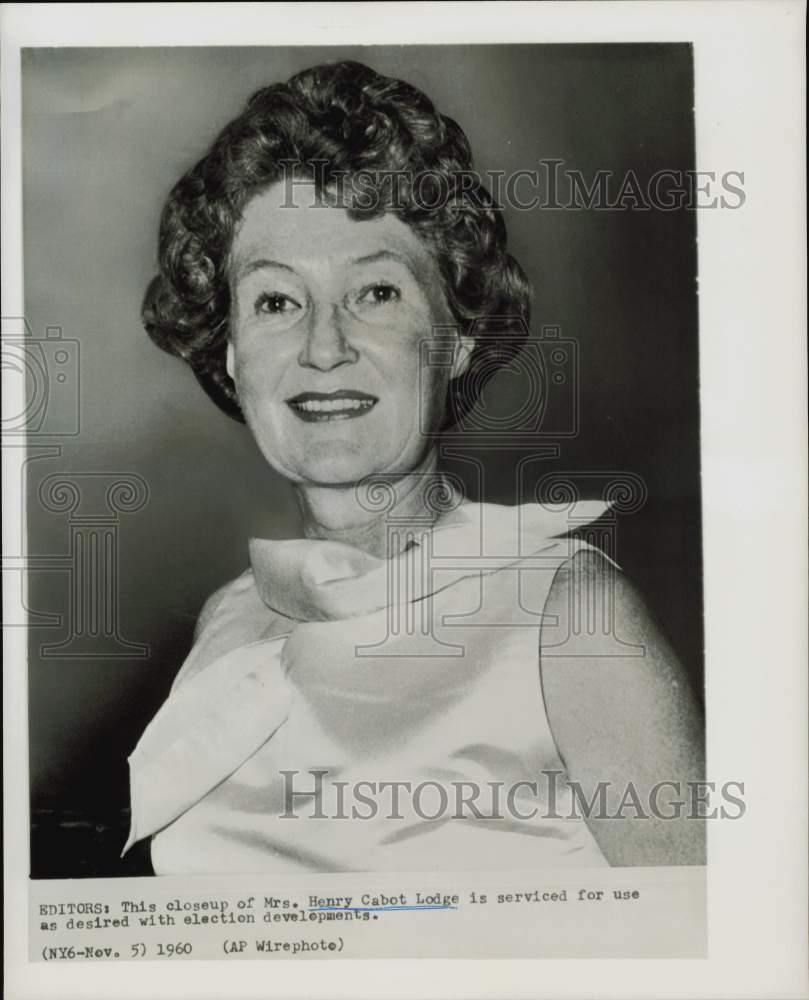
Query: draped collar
{"points": [[221, 714], [314, 580]]}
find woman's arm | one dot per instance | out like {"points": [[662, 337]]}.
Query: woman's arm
{"points": [[622, 719]]}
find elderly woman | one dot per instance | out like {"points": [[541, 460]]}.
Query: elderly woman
{"points": [[379, 695]]}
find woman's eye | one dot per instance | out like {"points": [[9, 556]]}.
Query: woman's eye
{"points": [[275, 303], [378, 295]]}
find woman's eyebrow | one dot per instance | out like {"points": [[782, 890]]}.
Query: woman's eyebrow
{"points": [[259, 264], [262, 263], [372, 258]]}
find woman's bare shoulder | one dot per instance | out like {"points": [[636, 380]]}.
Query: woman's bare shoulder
{"points": [[599, 623], [620, 704]]}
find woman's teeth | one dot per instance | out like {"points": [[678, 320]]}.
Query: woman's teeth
{"points": [[333, 405], [342, 408]]}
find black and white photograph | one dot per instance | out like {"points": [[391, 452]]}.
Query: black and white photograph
{"points": [[361, 557], [376, 602]]}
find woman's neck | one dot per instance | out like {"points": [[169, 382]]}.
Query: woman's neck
{"points": [[360, 514]]}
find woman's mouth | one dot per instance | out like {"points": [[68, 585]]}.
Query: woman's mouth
{"points": [[344, 404]]}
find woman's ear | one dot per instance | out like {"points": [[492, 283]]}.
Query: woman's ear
{"points": [[463, 355], [229, 366]]}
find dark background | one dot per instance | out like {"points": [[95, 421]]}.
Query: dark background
{"points": [[106, 133]]}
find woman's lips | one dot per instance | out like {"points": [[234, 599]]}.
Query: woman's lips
{"points": [[344, 404]]}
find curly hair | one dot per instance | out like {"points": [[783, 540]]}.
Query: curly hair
{"points": [[331, 122]]}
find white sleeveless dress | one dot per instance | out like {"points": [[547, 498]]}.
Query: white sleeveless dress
{"points": [[324, 675]]}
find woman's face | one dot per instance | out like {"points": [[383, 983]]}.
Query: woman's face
{"points": [[328, 317]]}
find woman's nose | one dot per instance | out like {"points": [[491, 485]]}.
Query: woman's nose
{"points": [[326, 345]]}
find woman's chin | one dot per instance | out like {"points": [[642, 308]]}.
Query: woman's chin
{"points": [[334, 466]]}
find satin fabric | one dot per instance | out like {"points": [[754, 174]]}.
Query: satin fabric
{"points": [[338, 668]]}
